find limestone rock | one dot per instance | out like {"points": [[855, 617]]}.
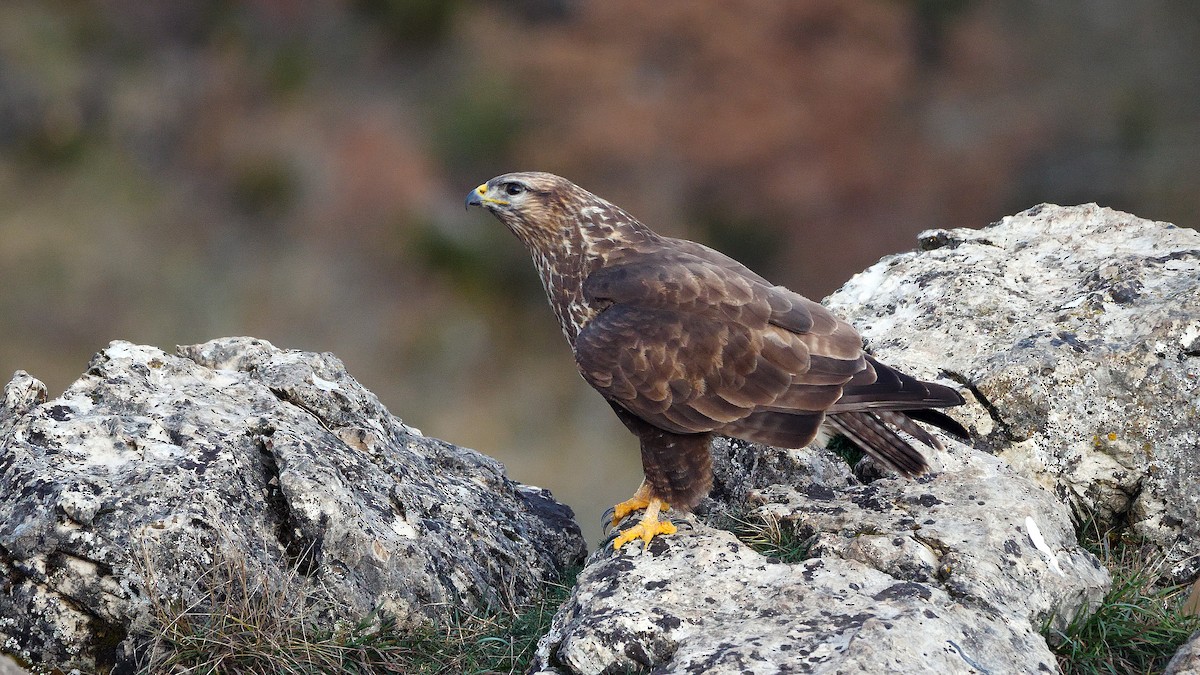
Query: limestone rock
{"points": [[954, 573], [1187, 660], [10, 667], [1077, 329], [152, 466]]}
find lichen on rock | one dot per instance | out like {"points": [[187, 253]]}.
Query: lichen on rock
{"points": [[1076, 329], [165, 463]]}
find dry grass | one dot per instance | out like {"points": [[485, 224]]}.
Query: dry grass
{"points": [[772, 537], [245, 623]]}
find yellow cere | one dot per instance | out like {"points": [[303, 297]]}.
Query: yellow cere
{"points": [[482, 190]]}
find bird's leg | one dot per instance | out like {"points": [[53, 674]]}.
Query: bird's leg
{"points": [[648, 527], [639, 501]]}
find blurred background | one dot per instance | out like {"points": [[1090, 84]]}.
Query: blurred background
{"points": [[172, 172]]}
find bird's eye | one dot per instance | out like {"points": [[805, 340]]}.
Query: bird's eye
{"points": [[513, 189]]}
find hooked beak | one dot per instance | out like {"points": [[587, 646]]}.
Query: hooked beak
{"points": [[478, 197], [475, 197]]}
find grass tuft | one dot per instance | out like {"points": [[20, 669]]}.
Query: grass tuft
{"points": [[846, 449], [774, 538], [246, 624], [1138, 626]]}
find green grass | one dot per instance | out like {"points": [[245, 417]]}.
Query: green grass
{"points": [[847, 450], [772, 537], [1140, 623], [246, 625]]}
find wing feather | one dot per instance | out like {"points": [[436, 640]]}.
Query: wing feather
{"points": [[780, 429], [891, 389], [693, 342]]}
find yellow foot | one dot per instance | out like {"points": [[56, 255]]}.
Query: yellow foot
{"points": [[639, 501], [627, 507], [648, 528]]}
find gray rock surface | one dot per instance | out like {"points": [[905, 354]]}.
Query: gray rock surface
{"points": [[10, 667], [1078, 330], [1187, 660], [152, 466], [953, 573]]}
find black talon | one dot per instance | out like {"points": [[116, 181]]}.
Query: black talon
{"points": [[607, 516]]}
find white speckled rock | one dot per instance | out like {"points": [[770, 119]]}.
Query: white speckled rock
{"points": [[721, 608], [1187, 660], [987, 536], [1078, 331], [944, 574], [278, 456]]}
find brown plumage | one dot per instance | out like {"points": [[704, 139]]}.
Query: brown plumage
{"points": [[684, 342]]}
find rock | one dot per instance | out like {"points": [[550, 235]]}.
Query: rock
{"points": [[1187, 660], [10, 667], [955, 573], [1077, 329], [153, 468]]}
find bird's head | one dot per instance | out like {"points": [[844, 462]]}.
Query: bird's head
{"points": [[534, 205]]}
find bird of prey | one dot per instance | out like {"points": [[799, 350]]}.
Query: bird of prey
{"points": [[685, 342]]}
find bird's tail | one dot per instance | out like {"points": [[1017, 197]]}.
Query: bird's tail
{"points": [[876, 433]]}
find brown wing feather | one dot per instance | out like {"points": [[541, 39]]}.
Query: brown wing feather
{"points": [[873, 435], [780, 429], [694, 346], [692, 342], [891, 389], [678, 371]]}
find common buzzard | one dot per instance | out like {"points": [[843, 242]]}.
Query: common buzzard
{"points": [[685, 342]]}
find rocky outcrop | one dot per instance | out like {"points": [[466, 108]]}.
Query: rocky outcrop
{"points": [[152, 467], [1077, 329], [953, 573], [1187, 660], [10, 667]]}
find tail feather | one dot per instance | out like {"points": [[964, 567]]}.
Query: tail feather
{"points": [[893, 390], [940, 420], [871, 431]]}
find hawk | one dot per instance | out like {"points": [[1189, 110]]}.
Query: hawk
{"points": [[685, 342]]}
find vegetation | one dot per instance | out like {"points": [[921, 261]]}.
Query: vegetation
{"points": [[847, 450], [774, 538], [1140, 623], [247, 625], [1137, 628]]}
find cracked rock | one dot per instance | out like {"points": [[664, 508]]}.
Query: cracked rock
{"points": [[1187, 660], [1076, 330], [152, 467], [943, 574]]}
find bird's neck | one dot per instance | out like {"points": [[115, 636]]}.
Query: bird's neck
{"points": [[599, 232], [562, 268]]}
